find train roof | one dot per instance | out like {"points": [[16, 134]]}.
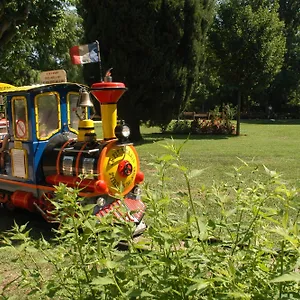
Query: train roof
{"points": [[10, 89]]}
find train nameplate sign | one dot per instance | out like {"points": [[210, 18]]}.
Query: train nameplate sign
{"points": [[54, 76]]}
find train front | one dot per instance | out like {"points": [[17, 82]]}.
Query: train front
{"points": [[107, 171]]}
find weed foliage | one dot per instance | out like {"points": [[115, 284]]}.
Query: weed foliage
{"points": [[235, 240]]}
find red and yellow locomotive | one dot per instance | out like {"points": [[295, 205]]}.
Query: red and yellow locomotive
{"points": [[51, 139]]}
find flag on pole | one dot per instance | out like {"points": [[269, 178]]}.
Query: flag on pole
{"points": [[85, 54]]}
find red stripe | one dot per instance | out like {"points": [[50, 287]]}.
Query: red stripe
{"points": [[75, 55]]}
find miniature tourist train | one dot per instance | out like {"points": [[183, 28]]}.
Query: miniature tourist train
{"points": [[50, 139]]}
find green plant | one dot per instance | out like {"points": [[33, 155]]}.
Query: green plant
{"points": [[179, 126], [235, 240]]}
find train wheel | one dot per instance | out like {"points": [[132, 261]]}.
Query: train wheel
{"points": [[6, 201], [9, 205]]}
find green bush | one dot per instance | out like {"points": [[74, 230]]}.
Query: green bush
{"points": [[237, 240], [179, 126]]}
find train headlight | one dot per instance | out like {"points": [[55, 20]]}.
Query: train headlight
{"points": [[122, 131], [137, 191], [100, 201]]}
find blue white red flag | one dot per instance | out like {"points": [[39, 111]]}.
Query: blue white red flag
{"points": [[85, 54]]}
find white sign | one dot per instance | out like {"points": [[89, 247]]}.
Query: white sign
{"points": [[54, 76], [18, 163]]}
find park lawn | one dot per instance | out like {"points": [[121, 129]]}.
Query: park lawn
{"points": [[273, 144]]}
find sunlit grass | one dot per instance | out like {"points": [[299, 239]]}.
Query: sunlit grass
{"points": [[273, 144]]}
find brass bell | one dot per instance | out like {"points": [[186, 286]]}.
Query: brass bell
{"points": [[85, 99]]}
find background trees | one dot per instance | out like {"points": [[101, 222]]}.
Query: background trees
{"points": [[159, 48], [156, 48], [248, 41], [36, 36], [23, 16], [285, 90]]}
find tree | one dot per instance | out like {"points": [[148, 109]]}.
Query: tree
{"points": [[37, 41], [25, 15], [286, 88], [155, 48], [248, 41]]}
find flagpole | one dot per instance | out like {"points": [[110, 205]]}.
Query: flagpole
{"points": [[100, 66]]}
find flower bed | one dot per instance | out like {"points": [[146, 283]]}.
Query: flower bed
{"points": [[217, 126], [219, 122]]}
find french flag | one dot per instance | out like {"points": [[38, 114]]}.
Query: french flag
{"points": [[85, 54]]}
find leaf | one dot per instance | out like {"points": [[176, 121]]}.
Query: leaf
{"points": [[88, 207], [103, 281], [139, 293], [88, 225], [293, 276], [145, 272], [146, 294], [199, 286], [194, 173], [272, 174], [166, 157], [23, 227], [211, 224], [111, 264]]}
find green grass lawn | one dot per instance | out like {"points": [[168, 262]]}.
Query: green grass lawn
{"points": [[273, 144]]}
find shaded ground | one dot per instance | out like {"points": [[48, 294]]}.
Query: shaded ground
{"points": [[35, 223]]}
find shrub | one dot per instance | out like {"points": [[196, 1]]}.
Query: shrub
{"points": [[218, 126], [220, 122], [179, 126], [237, 240]]}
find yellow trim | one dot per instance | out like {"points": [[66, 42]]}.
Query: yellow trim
{"points": [[43, 138], [36, 86], [18, 144], [25, 163], [5, 86], [18, 98], [69, 111]]}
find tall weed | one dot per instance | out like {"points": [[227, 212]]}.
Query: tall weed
{"points": [[234, 240]]}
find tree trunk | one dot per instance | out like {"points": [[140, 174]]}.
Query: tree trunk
{"points": [[135, 132], [238, 113]]}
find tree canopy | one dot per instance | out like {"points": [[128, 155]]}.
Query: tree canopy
{"points": [[160, 50], [36, 36], [156, 48], [249, 43], [247, 38], [23, 16], [286, 88]]}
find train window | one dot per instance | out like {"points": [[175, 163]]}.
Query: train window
{"points": [[72, 106], [88, 166], [67, 165], [20, 119], [47, 114]]}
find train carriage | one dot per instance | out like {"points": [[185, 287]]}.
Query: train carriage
{"points": [[51, 139]]}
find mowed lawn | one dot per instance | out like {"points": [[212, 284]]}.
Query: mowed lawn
{"points": [[275, 144]]}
